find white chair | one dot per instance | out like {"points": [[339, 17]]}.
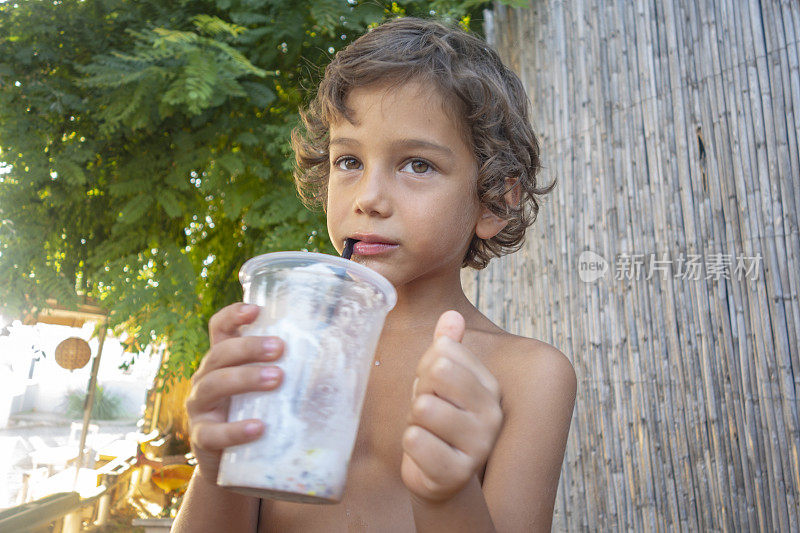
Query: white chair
{"points": [[56, 458], [31, 479], [52, 457]]}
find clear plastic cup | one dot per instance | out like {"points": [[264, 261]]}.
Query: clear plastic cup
{"points": [[329, 312]]}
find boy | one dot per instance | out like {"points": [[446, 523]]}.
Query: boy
{"points": [[418, 145]]}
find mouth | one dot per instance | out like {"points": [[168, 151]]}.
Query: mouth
{"points": [[372, 244]]}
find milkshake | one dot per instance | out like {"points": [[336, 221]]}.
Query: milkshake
{"points": [[329, 312]]}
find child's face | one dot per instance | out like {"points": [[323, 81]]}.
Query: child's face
{"points": [[404, 172]]}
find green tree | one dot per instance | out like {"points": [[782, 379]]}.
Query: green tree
{"points": [[148, 150]]}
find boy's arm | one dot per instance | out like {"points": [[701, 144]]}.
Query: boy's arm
{"points": [[208, 507], [522, 472], [466, 511], [523, 464]]}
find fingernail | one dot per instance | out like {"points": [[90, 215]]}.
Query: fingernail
{"points": [[252, 428], [247, 309], [271, 345], [270, 373]]}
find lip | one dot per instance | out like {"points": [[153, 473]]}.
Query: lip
{"points": [[372, 244], [372, 248], [372, 238]]}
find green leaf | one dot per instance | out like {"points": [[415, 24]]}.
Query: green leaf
{"points": [[135, 209], [169, 201], [326, 14], [247, 138], [130, 186], [235, 202], [258, 93], [71, 171], [215, 26], [248, 18], [232, 163], [367, 13]]}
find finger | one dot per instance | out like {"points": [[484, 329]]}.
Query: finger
{"points": [[226, 322], [455, 383], [439, 461], [215, 387], [450, 324], [224, 434], [446, 347], [240, 350], [457, 428], [414, 388]]}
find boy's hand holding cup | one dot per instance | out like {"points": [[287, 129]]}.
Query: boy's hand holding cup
{"points": [[222, 373]]}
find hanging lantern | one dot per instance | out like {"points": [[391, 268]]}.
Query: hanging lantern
{"points": [[73, 353]]}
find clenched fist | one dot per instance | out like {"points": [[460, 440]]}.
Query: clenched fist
{"points": [[455, 416]]}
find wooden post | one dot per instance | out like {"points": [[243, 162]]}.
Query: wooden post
{"points": [[103, 510], [87, 408]]}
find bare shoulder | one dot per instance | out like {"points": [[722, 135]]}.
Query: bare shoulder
{"points": [[539, 357], [530, 370], [524, 359]]}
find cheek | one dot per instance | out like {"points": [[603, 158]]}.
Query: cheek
{"points": [[466, 224], [333, 201], [332, 218], [455, 223], [464, 211]]}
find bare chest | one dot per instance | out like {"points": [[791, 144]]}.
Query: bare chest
{"points": [[375, 496]]}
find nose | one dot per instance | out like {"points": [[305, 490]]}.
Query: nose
{"points": [[372, 194]]}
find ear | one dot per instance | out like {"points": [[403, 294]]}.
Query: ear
{"points": [[490, 224]]}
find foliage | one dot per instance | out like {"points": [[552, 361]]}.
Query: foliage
{"points": [[106, 406], [148, 145]]}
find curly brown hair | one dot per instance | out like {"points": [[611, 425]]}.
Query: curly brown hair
{"points": [[490, 101]]}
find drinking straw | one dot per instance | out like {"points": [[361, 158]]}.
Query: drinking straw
{"points": [[346, 253], [348, 247]]}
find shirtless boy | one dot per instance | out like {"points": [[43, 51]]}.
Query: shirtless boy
{"points": [[418, 144]]}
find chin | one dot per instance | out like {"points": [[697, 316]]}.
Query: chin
{"points": [[377, 266], [370, 262]]}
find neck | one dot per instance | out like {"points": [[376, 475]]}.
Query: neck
{"points": [[421, 302]]}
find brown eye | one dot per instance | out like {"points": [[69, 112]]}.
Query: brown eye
{"points": [[420, 166], [348, 163]]}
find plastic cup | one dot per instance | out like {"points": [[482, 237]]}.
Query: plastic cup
{"points": [[329, 312]]}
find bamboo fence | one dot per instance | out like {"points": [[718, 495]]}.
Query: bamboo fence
{"points": [[672, 128]]}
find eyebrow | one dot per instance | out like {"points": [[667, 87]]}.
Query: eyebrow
{"points": [[402, 143]]}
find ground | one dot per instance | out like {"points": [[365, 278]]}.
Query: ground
{"points": [[27, 431]]}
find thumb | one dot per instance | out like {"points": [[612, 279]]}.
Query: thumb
{"points": [[450, 324]]}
